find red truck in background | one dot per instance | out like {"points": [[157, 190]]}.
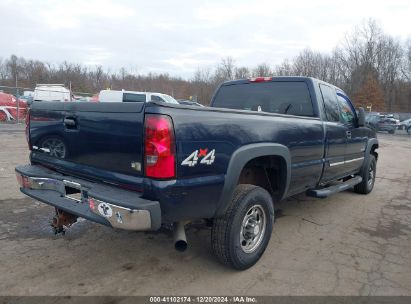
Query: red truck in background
{"points": [[9, 105]]}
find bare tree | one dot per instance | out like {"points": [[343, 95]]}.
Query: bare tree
{"points": [[261, 70], [406, 70], [202, 85], [3, 70], [225, 70], [284, 69], [242, 73]]}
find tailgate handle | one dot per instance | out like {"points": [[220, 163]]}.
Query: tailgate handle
{"points": [[70, 122]]}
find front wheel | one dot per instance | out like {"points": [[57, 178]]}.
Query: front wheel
{"points": [[368, 173], [240, 237]]}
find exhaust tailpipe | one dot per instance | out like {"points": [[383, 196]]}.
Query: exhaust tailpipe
{"points": [[180, 239]]}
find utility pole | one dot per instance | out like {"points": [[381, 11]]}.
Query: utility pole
{"points": [[17, 96]]}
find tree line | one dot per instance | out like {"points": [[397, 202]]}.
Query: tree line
{"points": [[372, 67]]}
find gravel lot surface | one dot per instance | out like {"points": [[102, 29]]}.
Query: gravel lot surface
{"points": [[348, 244]]}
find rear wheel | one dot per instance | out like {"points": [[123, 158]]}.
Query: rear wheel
{"points": [[391, 131], [368, 173], [241, 235]]}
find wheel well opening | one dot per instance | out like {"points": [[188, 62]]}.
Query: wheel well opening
{"points": [[268, 172], [373, 148]]}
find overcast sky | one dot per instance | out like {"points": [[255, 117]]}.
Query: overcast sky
{"points": [[178, 36]]}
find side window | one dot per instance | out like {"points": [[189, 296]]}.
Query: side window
{"points": [[332, 110], [130, 97], [157, 98], [347, 114]]}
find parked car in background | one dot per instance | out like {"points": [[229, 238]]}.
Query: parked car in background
{"points": [[403, 125], [133, 96], [380, 122], [28, 93], [27, 96], [82, 98], [9, 105], [395, 117], [189, 103], [95, 98], [52, 92]]}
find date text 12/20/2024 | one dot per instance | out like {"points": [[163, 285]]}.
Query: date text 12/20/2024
{"points": [[203, 299]]}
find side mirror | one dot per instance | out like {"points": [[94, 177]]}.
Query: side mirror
{"points": [[361, 117]]}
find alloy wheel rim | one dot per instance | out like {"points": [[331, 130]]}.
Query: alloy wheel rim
{"points": [[371, 174]]}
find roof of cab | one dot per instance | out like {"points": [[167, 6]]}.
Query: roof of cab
{"points": [[282, 78], [273, 78]]}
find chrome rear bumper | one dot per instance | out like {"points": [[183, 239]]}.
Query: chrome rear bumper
{"points": [[104, 204]]}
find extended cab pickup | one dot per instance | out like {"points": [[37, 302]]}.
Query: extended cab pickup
{"points": [[139, 165]]}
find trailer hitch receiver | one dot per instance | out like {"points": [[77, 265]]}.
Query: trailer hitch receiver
{"points": [[62, 220]]}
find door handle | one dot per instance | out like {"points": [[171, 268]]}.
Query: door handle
{"points": [[70, 122], [348, 134]]}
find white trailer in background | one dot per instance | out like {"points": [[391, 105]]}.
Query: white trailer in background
{"points": [[134, 96], [51, 92]]}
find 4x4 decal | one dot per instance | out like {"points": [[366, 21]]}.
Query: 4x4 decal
{"points": [[192, 159]]}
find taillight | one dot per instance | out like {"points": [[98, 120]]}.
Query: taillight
{"points": [[24, 181], [28, 127], [260, 79], [159, 147]]}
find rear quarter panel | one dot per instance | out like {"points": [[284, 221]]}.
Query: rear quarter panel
{"points": [[225, 131]]}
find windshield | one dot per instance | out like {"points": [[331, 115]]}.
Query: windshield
{"points": [[169, 99]]}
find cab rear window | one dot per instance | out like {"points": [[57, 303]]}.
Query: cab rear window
{"points": [[274, 97]]}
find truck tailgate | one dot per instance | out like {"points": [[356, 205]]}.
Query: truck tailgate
{"points": [[104, 137]]}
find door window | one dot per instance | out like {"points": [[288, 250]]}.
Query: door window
{"points": [[331, 107], [347, 114]]}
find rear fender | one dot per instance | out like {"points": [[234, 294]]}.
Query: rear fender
{"points": [[240, 158]]}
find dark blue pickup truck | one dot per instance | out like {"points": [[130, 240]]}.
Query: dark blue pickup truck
{"points": [[136, 166]]}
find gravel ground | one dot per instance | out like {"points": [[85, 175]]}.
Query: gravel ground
{"points": [[347, 244]]}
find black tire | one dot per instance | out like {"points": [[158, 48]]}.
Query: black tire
{"points": [[391, 131], [368, 173], [56, 146], [234, 239]]}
